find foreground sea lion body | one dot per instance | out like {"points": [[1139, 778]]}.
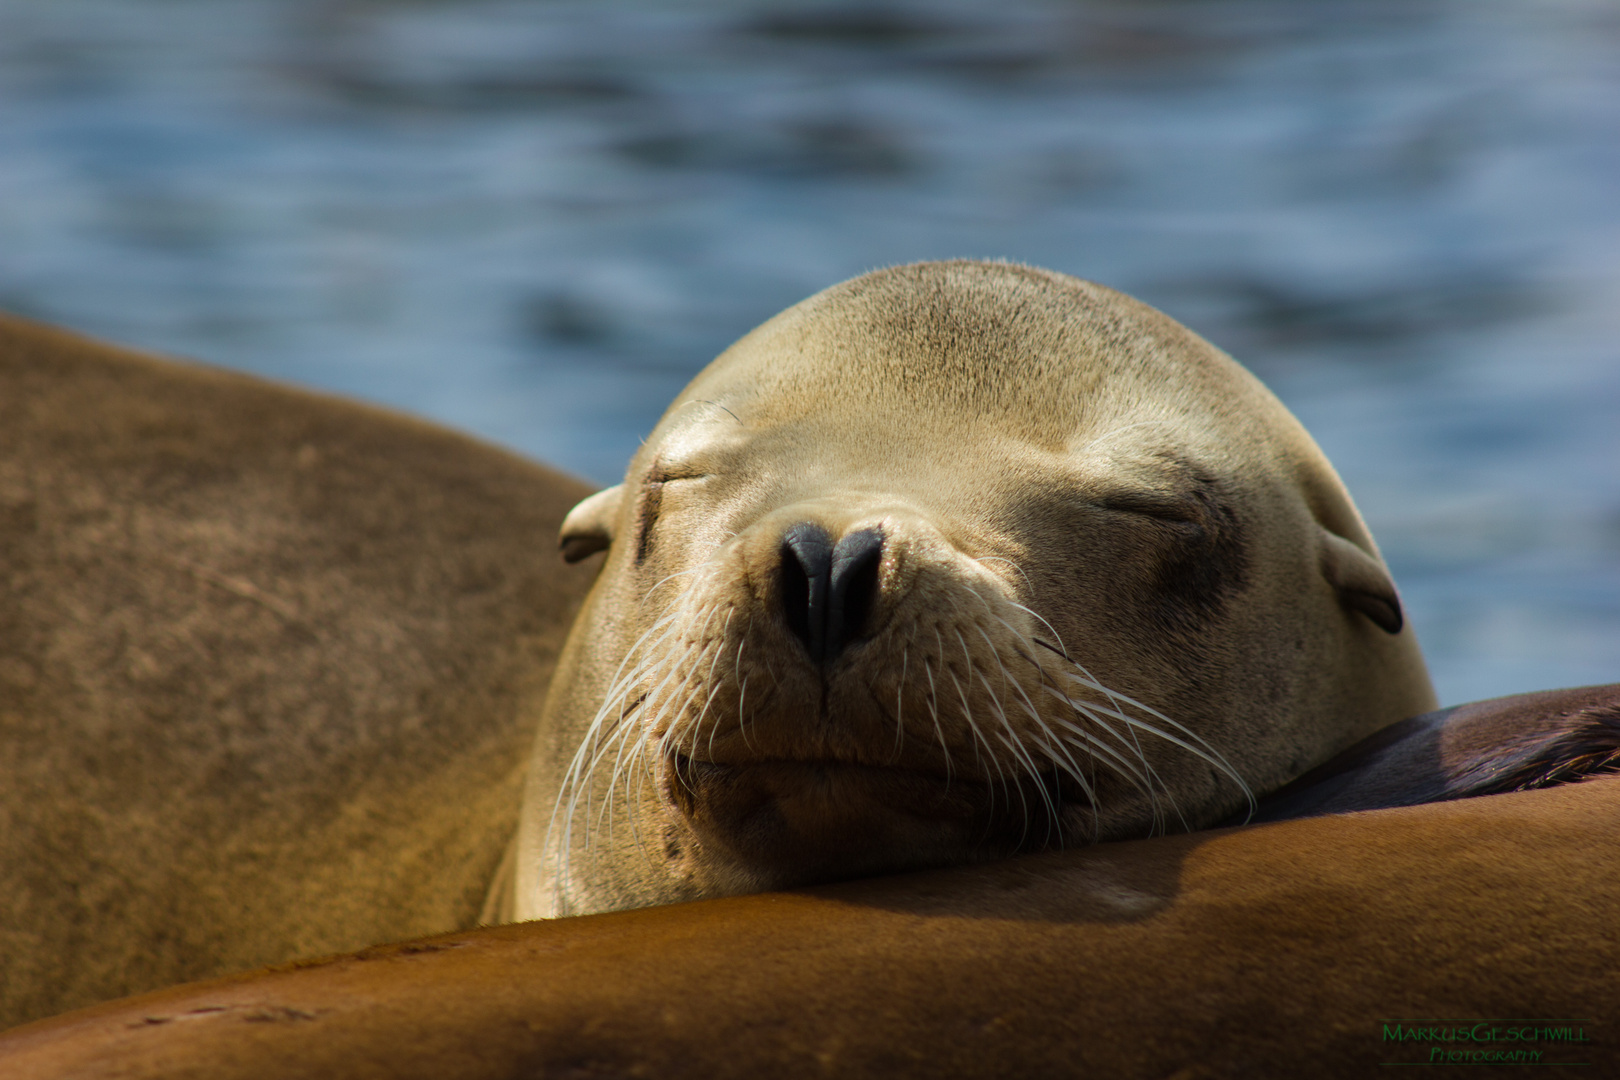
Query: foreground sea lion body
{"points": [[1322, 947], [266, 666], [949, 561]]}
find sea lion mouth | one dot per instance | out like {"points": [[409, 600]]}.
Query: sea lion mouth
{"points": [[804, 821]]}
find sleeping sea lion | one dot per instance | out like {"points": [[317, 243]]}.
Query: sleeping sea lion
{"points": [[950, 561]]}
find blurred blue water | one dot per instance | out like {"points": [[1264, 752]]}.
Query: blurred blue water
{"points": [[535, 221]]}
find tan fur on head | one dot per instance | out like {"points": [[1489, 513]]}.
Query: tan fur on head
{"points": [[1080, 577]]}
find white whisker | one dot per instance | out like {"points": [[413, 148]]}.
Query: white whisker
{"points": [[1202, 750]]}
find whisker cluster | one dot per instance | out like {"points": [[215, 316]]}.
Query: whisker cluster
{"points": [[1007, 704], [656, 683]]}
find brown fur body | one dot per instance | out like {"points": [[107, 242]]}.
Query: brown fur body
{"points": [[267, 663], [1096, 580], [1276, 950]]}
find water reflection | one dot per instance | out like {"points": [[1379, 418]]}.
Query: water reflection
{"points": [[535, 221]]}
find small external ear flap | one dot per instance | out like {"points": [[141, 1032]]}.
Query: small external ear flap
{"points": [[588, 528], [1363, 583]]}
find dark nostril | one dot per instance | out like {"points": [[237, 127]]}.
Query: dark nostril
{"points": [[827, 591], [853, 586], [806, 565]]}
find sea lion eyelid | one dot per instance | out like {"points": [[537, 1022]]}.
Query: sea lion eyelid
{"points": [[1153, 504], [670, 476]]}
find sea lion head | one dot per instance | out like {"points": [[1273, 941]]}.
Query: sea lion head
{"points": [[950, 561]]}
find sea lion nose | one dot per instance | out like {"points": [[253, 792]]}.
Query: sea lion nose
{"points": [[827, 590]]}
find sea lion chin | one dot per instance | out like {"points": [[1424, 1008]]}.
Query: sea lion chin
{"points": [[948, 562]]}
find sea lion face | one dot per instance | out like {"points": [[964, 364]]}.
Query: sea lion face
{"points": [[948, 562]]}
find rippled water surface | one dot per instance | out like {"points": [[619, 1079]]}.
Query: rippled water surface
{"points": [[536, 220]]}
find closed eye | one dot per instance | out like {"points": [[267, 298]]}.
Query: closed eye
{"points": [[1178, 509], [651, 503]]}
